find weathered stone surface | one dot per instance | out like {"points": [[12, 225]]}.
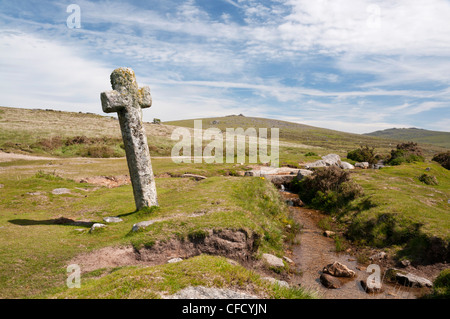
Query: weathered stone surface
{"points": [[371, 289], [339, 270], [112, 219], [362, 165], [319, 163], [196, 177], [404, 263], [330, 281], [200, 292], [60, 191], [408, 279], [127, 99], [289, 260], [142, 225], [332, 159], [174, 260], [303, 173], [96, 226], [272, 260], [280, 283], [345, 165]]}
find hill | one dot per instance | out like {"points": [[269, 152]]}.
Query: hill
{"points": [[417, 135]]}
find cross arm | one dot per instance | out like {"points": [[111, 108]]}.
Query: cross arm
{"points": [[113, 101], [145, 98]]}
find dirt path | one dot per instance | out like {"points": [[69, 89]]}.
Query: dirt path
{"points": [[6, 157], [316, 251]]}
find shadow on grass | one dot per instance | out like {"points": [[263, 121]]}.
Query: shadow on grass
{"points": [[57, 221]]}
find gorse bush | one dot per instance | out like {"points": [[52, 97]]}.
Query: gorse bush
{"points": [[363, 154], [329, 189], [406, 153], [443, 159]]}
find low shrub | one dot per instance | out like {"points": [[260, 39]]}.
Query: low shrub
{"points": [[363, 154], [311, 154], [443, 159], [406, 153], [329, 189]]}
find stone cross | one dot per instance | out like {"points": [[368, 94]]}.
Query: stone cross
{"points": [[128, 100]]}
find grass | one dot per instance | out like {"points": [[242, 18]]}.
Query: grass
{"points": [[35, 249], [165, 280]]}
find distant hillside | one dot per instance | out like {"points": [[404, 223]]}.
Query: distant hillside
{"points": [[295, 133], [415, 135]]}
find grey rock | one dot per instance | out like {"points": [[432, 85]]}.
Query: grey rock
{"points": [[112, 219], [319, 163], [338, 270], [200, 292], [272, 260], [408, 279], [330, 281], [142, 225], [128, 100], [362, 165], [345, 165], [371, 289], [332, 159], [174, 260], [289, 260], [60, 191], [96, 226], [280, 283]]}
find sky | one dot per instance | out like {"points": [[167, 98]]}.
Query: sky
{"points": [[351, 65]]}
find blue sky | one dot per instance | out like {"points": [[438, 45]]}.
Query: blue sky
{"points": [[350, 65]]}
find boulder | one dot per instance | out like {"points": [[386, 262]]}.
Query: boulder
{"points": [[408, 279], [404, 263], [339, 270], [272, 260], [112, 219], [332, 159], [141, 225], [330, 281], [345, 165], [279, 180]]}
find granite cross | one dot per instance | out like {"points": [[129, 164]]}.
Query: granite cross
{"points": [[128, 100]]}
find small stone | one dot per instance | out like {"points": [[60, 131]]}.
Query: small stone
{"points": [[338, 270], [280, 283], [405, 263], [96, 226], [60, 191], [289, 260], [112, 219], [174, 260], [370, 289], [272, 260], [379, 256], [329, 233], [330, 281], [142, 225]]}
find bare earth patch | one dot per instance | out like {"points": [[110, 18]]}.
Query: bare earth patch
{"points": [[106, 181]]}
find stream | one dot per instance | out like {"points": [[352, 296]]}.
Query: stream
{"points": [[315, 251]]}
